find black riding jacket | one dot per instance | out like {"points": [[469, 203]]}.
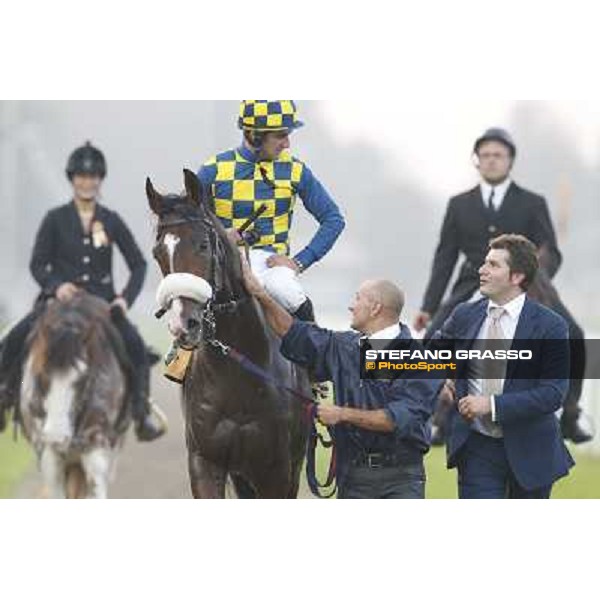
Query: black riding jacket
{"points": [[64, 252]]}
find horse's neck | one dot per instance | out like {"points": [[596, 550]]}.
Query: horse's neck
{"points": [[246, 330]]}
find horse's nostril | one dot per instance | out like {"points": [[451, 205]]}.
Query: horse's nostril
{"points": [[193, 324]]}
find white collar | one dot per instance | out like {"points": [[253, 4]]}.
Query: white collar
{"points": [[513, 308], [499, 190], [388, 333]]}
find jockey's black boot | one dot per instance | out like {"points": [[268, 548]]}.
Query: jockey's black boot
{"points": [[4, 394], [3, 410], [152, 356], [138, 376], [145, 428], [9, 393], [12, 357], [571, 430], [306, 311], [10, 381]]}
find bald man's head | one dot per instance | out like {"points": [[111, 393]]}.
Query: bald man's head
{"points": [[377, 304], [386, 293]]}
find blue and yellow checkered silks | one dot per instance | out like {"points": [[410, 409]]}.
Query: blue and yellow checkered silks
{"points": [[268, 115], [240, 187]]}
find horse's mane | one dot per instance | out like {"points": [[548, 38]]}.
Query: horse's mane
{"points": [[177, 205], [68, 331]]}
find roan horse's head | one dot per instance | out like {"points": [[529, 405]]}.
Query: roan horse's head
{"points": [[73, 395], [190, 248]]}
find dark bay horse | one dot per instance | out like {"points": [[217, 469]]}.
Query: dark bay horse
{"points": [[236, 424], [73, 397]]}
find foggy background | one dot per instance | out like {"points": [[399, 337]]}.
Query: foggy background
{"points": [[390, 167]]}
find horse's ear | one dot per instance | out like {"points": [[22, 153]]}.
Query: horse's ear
{"points": [[154, 198], [192, 187]]}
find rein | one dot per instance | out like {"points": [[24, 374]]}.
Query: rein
{"points": [[315, 438], [212, 306], [211, 309]]}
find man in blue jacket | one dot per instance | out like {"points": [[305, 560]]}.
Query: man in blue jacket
{"points": [[505, 438], [381, 426], [261, 174]]}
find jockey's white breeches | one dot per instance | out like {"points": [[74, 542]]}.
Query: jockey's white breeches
{"points": [[282, 283]]}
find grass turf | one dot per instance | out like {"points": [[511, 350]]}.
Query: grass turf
{"points": [[16, 459], [582, 482]]}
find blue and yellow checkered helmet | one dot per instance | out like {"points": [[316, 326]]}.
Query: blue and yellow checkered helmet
{"points": [[268, 115]]}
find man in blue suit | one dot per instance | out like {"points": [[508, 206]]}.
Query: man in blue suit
{"points": [[505, 439]]}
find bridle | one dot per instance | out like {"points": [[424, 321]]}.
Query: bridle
{"points": [[208, 337], [222, 300]]}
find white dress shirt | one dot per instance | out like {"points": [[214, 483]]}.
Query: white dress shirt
{"points": [[508, 322], [499, 192], [389, 333]]}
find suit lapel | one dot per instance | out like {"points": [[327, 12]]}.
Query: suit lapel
{"points": [[524, 331], [479, 314]]}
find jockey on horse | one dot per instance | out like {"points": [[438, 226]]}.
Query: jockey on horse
{"points": [[73, 252], [262, 173]]}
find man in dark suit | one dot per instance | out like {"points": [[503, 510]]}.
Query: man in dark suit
{"points": [[497, 205], [504, 437]]}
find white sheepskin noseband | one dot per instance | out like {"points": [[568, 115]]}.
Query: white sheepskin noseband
{"points": [[182, 285]]}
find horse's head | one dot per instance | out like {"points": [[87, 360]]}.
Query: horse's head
{"points": [[61, 339], [190, 247], [70, 346]]}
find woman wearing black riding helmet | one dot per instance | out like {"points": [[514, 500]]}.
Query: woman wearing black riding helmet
{"points": [[73, 252]]}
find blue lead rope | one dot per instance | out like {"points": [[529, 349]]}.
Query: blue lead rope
{"points": [[315, 438]]}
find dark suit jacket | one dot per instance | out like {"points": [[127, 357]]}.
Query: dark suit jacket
{"points": [[64, 252], [467, 229], [532, 392]]}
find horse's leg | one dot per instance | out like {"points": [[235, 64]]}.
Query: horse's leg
{"points": [[275, 484], [75, 485], [243, 489], [207, 480], [53, 472], [295, 481], [97, 465]]}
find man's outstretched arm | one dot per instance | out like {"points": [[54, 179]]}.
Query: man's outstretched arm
{"points": [[278, 319]]}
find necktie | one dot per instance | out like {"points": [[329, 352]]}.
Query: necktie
{"points": [[494, 371], [491, 206]]}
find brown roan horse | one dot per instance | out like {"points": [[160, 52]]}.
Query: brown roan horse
{"points": [[236, 424], [73, 400]]}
